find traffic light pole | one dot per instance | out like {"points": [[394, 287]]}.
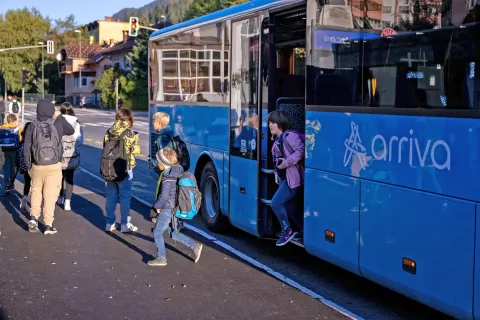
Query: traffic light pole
{"points": [[23, 105], [43, 78]]}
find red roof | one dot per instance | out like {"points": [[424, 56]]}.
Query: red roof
{"points": [[87, 50]]}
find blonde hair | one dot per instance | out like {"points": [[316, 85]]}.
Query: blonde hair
{"points": [[162, 118], [11, 118], [171, 155]]}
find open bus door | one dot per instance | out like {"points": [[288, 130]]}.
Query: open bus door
{"points": [[245, 122]]}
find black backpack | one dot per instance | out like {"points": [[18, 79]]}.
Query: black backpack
{"points": [[182, 152], [113, 164], [15, 107], [46, 144]]}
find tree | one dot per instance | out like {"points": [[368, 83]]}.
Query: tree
{"points": [[200, 8], [21, 28]]}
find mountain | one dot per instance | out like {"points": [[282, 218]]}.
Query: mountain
{"points": [[173, 10]]}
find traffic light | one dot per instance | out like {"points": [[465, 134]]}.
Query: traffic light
{"points": [[25, 74], [133, 27], [50, 47]]}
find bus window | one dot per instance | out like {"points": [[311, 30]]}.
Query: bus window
{"points": [[244, 96]]}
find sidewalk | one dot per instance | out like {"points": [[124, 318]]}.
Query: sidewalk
{"points": [[84, 273]]}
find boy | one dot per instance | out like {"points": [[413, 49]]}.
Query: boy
{"points": [[14, 107], [11, 153], [167, 161]]}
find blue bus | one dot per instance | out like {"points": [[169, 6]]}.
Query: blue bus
{"points": [[386, 93]]}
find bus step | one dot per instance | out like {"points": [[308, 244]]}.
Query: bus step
{"points": [[266, 202]]}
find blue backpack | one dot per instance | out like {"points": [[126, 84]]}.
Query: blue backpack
{"points": [[189, 197], [9, 139]]}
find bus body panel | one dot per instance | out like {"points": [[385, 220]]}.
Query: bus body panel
{"points": [[244, 194], [436, 232], [476, 288], [201, 125], [439, 155], [332, 204], [217, 157], [226, 184]]}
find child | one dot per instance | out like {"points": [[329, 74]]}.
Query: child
{"points": [[167, 161], [288, 153], [10, 154]]}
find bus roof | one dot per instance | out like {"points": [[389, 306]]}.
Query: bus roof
{"points": [[244, 8]]}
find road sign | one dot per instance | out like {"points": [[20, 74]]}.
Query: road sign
{"points": [[133, 27], [50, 47]]}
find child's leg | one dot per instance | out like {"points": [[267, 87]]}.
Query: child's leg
{"points": [[183, 239], [163, 220]]}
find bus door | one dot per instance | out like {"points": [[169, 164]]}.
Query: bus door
{"points": [[245, 124]]}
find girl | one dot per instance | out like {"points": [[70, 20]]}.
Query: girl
{"points": [[71, 155], [288, 152], [122, 190]]}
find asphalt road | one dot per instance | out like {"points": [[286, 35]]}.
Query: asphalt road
{"points": [[80, 235]]}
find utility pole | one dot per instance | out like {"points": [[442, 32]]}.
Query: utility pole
{"points": [[43, 72], [80, 58], [116, 95]]}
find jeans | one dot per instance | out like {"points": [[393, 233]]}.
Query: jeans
{"points": [[9, 167], [284, 205], [67, 177], [119, 191], [164, 220]]}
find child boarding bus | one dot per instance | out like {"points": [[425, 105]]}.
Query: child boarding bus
{"points": [[388, 101]]}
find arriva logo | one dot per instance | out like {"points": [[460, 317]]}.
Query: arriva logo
{"points": [[438, 152]]}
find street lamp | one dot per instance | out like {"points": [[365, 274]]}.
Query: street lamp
{"points": [[43, 71], [79, 66]]}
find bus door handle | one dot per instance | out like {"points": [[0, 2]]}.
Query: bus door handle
{"points": [[242, 190]]}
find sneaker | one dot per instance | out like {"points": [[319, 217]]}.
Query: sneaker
{"points": [[23, 202], [158, 262], [50, 230], [197, 251], [128, 228], [33, 225], [286, 236], [66, 205], [8, 190], [110, 227], [60, 201]]}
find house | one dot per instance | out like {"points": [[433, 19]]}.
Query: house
{"points": [[107, 32], [78, 71], [117, 54]]}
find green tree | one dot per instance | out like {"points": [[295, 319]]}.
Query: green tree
{"points": [[200, 8], [21, 28]]}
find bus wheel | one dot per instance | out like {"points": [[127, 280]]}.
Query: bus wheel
{"points": [[210, 189]]}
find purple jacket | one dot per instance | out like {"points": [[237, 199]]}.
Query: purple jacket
{"points": [[294, 151]]}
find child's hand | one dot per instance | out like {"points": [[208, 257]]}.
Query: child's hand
{"points": [[282, 165], [158, 210]]}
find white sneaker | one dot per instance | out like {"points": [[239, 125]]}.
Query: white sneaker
{"points": [[60, 201], [67, 206], [128, 228], [23, 203], [110, 227]]}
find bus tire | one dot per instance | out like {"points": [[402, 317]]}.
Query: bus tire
{"points": [[211, 212]]}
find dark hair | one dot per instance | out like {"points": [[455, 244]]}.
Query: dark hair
{"points": [[125, 115], [280, 118], [67, 109], [11, 118]]}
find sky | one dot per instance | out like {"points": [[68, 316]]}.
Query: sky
{"points": [[85, 11]]}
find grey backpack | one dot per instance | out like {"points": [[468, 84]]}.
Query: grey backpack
{"points": [[46, 145], [71, 154]]}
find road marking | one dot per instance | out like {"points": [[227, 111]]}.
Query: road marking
{"points": [[254, 262]]}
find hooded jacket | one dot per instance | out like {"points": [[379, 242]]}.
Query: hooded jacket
{"points": [[131, 143], [45, 111], [168, 189]]}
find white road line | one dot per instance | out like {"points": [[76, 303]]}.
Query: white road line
{"points": [[255, 263]]}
